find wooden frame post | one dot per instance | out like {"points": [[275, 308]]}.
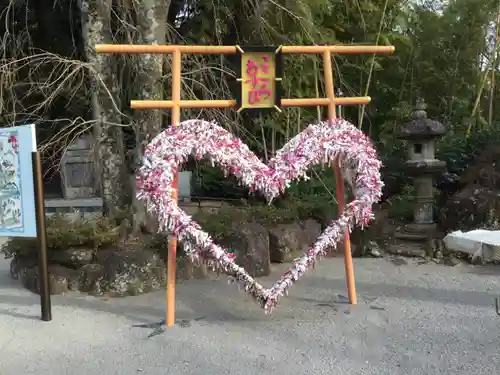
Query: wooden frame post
{"points": [[177, 103], [339, 182], [172, 244]]}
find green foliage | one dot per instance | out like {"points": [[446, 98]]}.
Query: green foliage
{"points": [[63, 233], [393, 157], [223, 223], [208, 181], [437, 58], [158, 243], [312, 199], [443, 50], [459, 151], [401, 206]]}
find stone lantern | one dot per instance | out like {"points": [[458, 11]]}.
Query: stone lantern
{"points": [[421, 134]]}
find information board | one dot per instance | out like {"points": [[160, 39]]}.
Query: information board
{"points": [[17, 194]]}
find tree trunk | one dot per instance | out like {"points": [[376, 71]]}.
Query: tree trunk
{"points": [[96, 24], [151, 19]]}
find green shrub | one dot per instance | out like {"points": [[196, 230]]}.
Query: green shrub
{"points": [[459, 151], [221, 224], [158, 243], [401, 206], [208, 181], [63, 233]]}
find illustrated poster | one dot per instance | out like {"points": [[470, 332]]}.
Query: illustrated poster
{"points": [[17, 195]]}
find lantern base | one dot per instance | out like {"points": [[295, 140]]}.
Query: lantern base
{"points": [[414, 239], [416, 232]]}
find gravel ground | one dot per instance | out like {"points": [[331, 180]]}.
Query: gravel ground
{"points": [[411, 319]]}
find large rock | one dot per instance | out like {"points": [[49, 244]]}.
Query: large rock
{"points": [[476, 204], [311, 230], [365, 241], [61, 279], [20, 263], [116, 272], [473, 207], [284, 242], [251, 244], [186, 269], [483, 245], [485, 171], [92, 279], [128, 272], [288, 241], [73, 257]]}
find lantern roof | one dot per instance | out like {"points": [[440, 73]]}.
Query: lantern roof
{"points": [[420, 126]]}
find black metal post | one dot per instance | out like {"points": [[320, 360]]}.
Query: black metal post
{"points": [[43, 269]]}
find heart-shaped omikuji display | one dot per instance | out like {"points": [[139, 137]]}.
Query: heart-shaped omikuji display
{"points": [[324, 143]]}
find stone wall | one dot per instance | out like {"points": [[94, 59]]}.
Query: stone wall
{"points": [[135, 268]]}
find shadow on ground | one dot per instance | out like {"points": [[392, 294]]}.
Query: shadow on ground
{"points": [[487, 270], [216, 302]]}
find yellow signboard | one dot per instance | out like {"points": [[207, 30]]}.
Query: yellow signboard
{"points": [[260, 78]]}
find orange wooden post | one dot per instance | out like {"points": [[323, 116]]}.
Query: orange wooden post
{"points": [[172, 244], [339, 181]]}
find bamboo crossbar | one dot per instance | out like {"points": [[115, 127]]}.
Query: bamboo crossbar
{"points": [[313, 102], [231, 50]]}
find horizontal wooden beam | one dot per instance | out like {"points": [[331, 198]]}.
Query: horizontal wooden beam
{"points": [[231, 50], [313, 102], [338, 49]]}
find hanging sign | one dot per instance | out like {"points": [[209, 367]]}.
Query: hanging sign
{"points": [[259, 78]]}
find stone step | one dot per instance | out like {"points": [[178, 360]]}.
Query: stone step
{"points": [[411, 236]]}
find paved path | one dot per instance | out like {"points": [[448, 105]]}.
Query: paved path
{"points": [[412, 319]]}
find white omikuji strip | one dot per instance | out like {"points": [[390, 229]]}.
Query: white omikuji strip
{"points": [[324, 143]]}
